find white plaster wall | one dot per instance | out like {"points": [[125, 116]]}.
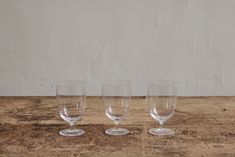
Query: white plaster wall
{"points": [[190, 41]]}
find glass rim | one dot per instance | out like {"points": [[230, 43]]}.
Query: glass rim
{"points": [[70, 83], [157, 82], [116, 83]]}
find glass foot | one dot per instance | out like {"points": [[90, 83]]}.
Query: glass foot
{"points": [[161, 131], [116, 131], [73, 132]]}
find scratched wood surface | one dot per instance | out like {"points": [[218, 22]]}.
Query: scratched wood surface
{"points": [[204, 126]]}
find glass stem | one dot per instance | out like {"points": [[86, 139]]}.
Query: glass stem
{"points": [[161, 124], [116, 122], [71, 126]]}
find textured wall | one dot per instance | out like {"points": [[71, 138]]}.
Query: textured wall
{"points": [[190, 41]]}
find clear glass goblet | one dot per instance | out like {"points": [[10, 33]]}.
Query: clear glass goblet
{"points": [[162, 98], [71, 100], [116, 97]]}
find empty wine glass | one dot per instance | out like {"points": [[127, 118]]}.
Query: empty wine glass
{"points": [[71, 100], [116, 97], [162, 97]]}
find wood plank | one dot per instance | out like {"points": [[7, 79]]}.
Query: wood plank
{"points": [[204, 127]]}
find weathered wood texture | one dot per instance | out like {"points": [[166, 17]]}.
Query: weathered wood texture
{"points": [[205, 126]]}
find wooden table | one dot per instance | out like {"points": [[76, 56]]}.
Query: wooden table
{"points": [[205, 126]]}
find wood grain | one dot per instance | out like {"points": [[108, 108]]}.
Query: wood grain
{"points": [[204, 126]]}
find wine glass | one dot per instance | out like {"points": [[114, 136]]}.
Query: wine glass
{"points": [[116, 97], [71, 100], [162, 97]]}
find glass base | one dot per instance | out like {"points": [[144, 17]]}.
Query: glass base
{"points": [[73, 132], [161, 131], [116, 131]]}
